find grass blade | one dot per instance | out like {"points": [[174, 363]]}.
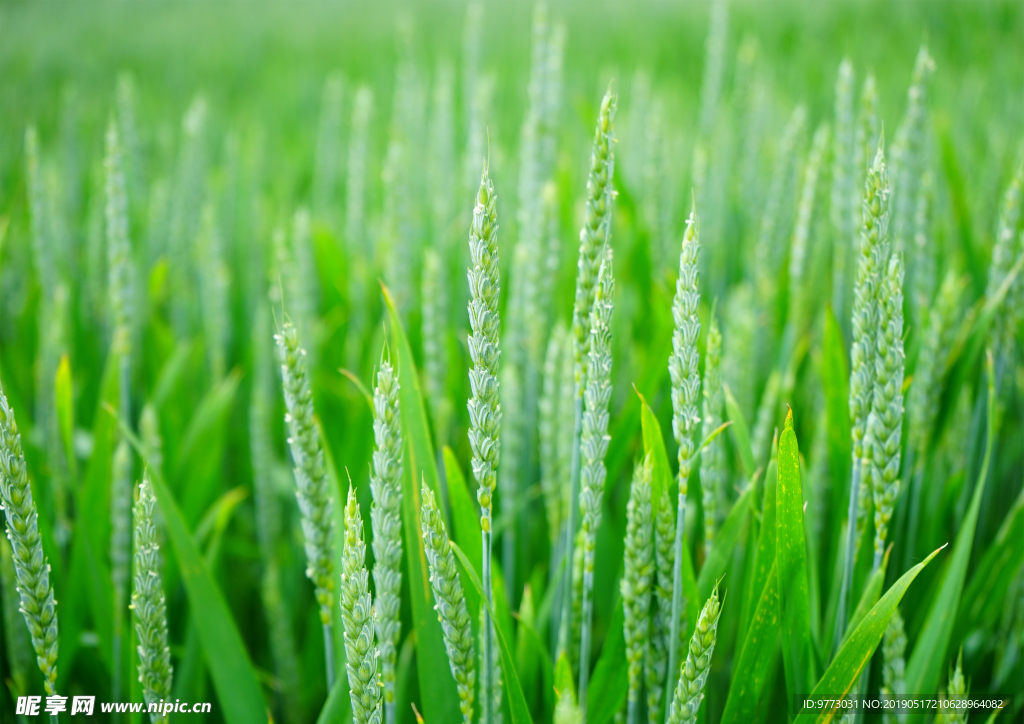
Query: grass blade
{"points": [[740, 432], [792, 571], [756, 658], [610, 682]]}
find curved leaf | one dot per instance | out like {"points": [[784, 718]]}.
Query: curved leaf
{"points": [[740, 432], [858, 649]]}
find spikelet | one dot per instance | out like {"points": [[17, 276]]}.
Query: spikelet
{"points": [[358, 619], [119, 261], [909, 149], [30, 564], [885, 422], [690, 690], [155, 670], [894, 688], [714, 63], [712, 466], [638, 575], [386, 521], [451, 603], [16, 639], [312, 490], [120, 526]]}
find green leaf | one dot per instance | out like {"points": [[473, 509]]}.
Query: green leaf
{"points": [[835, 379], [197, 466], [764, 557], [872, 591], [725, 542], [983, 599], [756, 658], [858, 649], [929, 657], [791, 555], [439, 697], [740, 432], [338, 707], [66, 412], [234, 679], [609, 684], [514, 692], [466, 522], [529, 639], [661, 480]]}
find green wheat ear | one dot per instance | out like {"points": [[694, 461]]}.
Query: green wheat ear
{"points": [[451, 603], [30, 564], [694, 673], [358, 617], [155, 671]]}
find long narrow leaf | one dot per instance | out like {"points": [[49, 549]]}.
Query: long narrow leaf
{"points": [[857, 651], [756, 657], [438, 695]]}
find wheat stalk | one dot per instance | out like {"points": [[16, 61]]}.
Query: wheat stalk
{"points": [[843, 190]]}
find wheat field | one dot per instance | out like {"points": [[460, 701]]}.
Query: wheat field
{"points": [[512, 362]]}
